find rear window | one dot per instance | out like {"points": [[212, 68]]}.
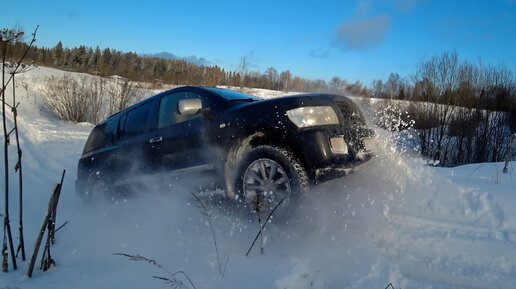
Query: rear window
{"points": [[102, 135]]}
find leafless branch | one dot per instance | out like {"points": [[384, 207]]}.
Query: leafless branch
{"points": [[18, 64]]}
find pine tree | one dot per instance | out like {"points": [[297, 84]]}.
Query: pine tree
{"points": [[57, 54]]}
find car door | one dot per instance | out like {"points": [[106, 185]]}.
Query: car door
{"points": [[178, 137], [135, 129]]}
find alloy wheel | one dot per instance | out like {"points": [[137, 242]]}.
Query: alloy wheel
{"points": [[267, 179]]}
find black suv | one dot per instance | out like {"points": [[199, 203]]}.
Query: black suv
{"points": [[249, 146]]}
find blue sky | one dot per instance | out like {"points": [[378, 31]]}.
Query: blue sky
{"points": [[355, 40]]}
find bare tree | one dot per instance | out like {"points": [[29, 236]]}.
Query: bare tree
{"points": [[335, 84], [463, 114], [9, 36], [393, 85], [285, 79], [377, 88], [272, 78], [438, 78], [14, 69], [243, 72]]}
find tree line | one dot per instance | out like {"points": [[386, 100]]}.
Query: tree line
{"points": [[463, 112], [107, 62], [446, 79], [443, 79]]}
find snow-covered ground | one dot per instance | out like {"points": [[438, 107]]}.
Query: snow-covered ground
{"points": [[393, 221]]}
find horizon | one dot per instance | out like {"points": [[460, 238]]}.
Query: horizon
{"points": [[353, 40]]}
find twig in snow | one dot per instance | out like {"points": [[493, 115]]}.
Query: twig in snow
{"points": [[60, 227], [390, 286], [474, 171], [262, 227], [259, 213], [47, 219]]}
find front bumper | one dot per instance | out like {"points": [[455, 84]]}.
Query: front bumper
{"points": [[337, 171], [324, 162]]}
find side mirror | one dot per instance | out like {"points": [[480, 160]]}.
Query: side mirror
{"points": [[189, 106]]}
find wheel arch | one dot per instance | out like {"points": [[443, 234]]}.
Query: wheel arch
{"points": [[243, 145]]}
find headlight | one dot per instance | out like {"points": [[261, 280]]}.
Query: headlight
{"points": [[312, 116]]}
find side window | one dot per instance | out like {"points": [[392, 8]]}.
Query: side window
{"points": [[136, 121], [168, 108], [101, 136]]}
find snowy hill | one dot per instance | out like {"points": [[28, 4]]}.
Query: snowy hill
{"points": [[393, 221]]}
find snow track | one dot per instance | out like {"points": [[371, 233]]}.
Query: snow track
{"points": [[456, 231], [450, 253], [422, 227]]}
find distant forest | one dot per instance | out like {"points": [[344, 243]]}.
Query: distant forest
{"points": [[443, 79], [108, 62]]}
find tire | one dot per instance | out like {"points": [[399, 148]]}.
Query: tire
{"points": [[267, 175], [96, 187]]}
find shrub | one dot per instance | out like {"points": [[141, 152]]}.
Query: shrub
{"points": [[76, 99]]}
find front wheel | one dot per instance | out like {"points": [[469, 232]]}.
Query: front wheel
{"points": [[269, 174]]}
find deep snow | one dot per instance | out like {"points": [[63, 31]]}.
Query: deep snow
{"points": [[395, 220]]}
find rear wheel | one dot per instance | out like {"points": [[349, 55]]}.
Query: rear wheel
{"points": [[269, 174], [97, 186]]}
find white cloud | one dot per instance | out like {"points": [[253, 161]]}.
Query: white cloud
{"points": [[363, 34]]}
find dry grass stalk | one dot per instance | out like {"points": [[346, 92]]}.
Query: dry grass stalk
{"points": [[172, 280], [205, 212]]}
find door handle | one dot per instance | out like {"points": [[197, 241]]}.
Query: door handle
{"points": [[156, 139]]}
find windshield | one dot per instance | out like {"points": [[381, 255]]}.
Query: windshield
{"points": [[232, 95]]}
